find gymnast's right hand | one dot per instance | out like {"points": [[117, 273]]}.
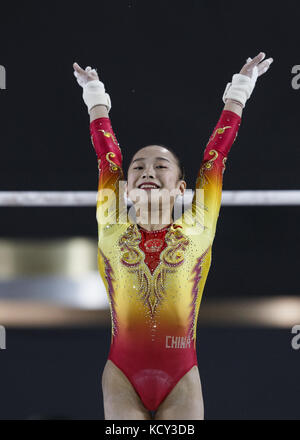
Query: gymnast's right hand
{"points": [[93, 89], [84, 76]]}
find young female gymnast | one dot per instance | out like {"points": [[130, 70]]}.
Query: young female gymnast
{"points": [[154, 268]]}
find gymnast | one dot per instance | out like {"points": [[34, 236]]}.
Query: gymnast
{"points": [[153, 267]]}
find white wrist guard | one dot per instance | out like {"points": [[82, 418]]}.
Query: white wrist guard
{"points": [[239, 89], [94, 94]]}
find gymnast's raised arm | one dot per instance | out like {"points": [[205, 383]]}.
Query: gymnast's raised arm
{"points": [[106, 146], [92, 93], [210, 175]]}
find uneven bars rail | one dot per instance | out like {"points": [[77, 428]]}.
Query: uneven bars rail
{"points": [[88, 198]]}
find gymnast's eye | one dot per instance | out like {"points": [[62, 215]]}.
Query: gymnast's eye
{"points": [[159, 166]]}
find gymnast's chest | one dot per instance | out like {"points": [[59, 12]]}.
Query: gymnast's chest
{"points": [[150, 272], [135, 251], [153, 250]]}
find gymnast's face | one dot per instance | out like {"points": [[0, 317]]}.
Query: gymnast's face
{"points": [[156, 166]]}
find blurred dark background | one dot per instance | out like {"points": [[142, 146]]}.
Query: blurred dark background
{"points": [[165, 65]]}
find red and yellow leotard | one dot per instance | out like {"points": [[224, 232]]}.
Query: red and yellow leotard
{"points": [[155, 280]]}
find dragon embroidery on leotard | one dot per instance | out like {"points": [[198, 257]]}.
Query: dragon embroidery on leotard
{"points": [[151, 287], [109, 135], [201, 179], [111, 291], [113, 167], [197, 270], [219, 130], [112, 137]]}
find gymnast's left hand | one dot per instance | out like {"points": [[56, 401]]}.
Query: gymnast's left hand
{"points": [[256, 67], [242, 84]]}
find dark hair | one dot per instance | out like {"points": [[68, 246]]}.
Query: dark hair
{"points": [[179, 163]]}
